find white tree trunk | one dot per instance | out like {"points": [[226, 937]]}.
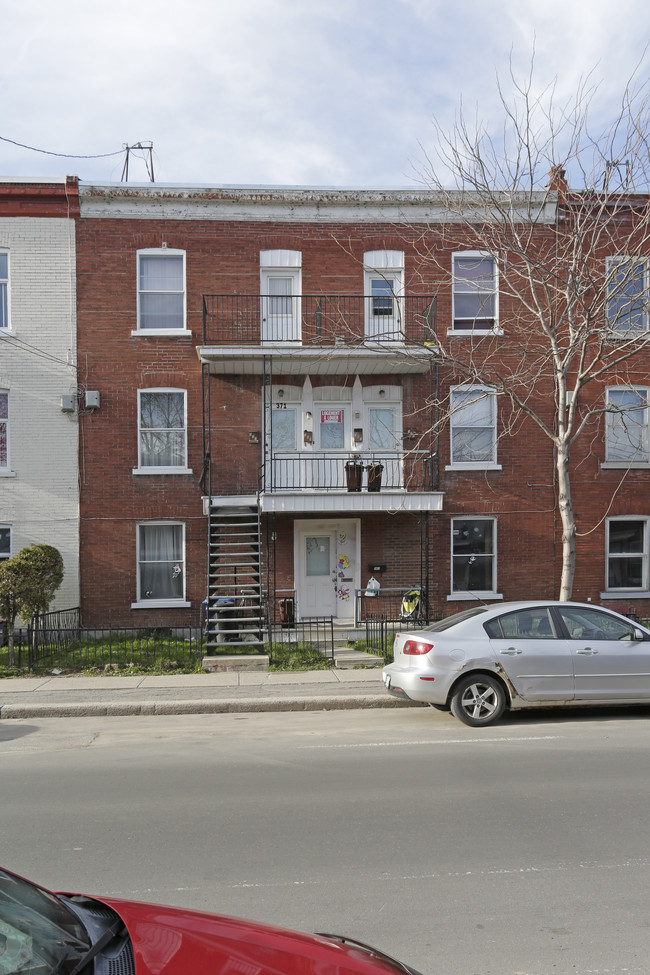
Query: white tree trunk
{"points": [[568, 521]]}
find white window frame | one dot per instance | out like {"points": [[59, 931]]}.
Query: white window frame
{"points": [[615, 417], [6, 421], [617, 328], [281, 329], [165, 253], [386, 269], [6, 555], [455, 423], [494, 329], [642, 591], [142, 468], [5, 296], [143, 602], [478, 594]]}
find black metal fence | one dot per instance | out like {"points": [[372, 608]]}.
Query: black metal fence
{"points": [[380, 633], [391, 604], [317, 319], [309, 640]]}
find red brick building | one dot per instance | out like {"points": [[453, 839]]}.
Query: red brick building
{"points": [[287, 409]]}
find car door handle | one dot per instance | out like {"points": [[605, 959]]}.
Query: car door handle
{"points": [[511, 652], [587, 651]]}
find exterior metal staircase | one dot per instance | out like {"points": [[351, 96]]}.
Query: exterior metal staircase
{"points": [[235, 612]]}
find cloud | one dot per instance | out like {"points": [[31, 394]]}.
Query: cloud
{"points": [[281, 91]]}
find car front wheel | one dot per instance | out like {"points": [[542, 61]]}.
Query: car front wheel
{"points": [[478, 701]]}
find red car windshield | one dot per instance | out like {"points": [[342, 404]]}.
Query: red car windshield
{"points": [[38, 934]]}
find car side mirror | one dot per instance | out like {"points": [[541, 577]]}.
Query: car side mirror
{"points": [[639, 635]]}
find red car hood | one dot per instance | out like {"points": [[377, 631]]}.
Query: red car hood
{"points": [[174, 941]]}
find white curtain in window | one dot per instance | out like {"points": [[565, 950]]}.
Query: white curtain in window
{"points": [[161, 562]]}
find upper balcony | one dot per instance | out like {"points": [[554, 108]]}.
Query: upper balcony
{"points": [[318, 334]]}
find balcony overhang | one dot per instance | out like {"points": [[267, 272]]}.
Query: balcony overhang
{"points": [[299, 360], [323, 502]]}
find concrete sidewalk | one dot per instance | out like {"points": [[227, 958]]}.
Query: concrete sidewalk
{"points": [[52, 697]]}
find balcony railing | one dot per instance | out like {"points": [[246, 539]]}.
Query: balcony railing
{"points": [[335, 471], [321, 320]]}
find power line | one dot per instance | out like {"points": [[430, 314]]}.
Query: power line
{"points": [[64, 155]]}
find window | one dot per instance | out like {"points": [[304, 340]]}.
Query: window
{"points": [[4, 289], [4, 430], [384, 288], [626, 431], [627, 295], [474, 292], [5, 542], [473, 546], [161, 290], [592, 624], [161, 563], [627, 554], [162, 430], [280, 282], [473, 427]]}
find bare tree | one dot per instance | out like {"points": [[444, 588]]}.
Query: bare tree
{"points": [[570, 271]]}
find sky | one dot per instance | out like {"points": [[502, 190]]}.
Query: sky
{"points": [[289, 92]]}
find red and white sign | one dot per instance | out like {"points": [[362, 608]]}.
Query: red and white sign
{"points": [[331, 416]]}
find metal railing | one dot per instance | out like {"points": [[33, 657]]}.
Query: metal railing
{"points": [[307, 640], [327, 320], [387, 604], [335, 471]]}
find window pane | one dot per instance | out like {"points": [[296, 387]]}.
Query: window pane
{"points": [[162, 429], [332, 429], [318, 562], [625, 573], [473, 273], [161, 273], [4, 307], [627, 430], [161, 562], [283, 432], [161, 311], [5, 542], [4, 266], [473, 556], [382, 429], [626, 537], [472, 445], [626, 307], [382, 290]]}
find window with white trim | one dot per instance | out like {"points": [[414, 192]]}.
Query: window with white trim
{"points": [[5, 542], [161, 563], [473, 427], [473, 556], [4, 430], [162, 430], [161, 290], [627, 554], [384, 295], [626, 427], [627, 295], [475, 295], [4, 289]]}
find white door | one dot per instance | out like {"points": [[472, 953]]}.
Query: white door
{"points": [[280, 307], [317, 588]]}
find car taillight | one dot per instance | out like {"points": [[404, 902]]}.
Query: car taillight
{"points": [[416, 646]]}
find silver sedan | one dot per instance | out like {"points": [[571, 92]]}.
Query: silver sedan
{"points": [[519, 655]]}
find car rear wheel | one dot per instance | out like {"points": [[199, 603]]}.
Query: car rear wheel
{"points": [[478, 701]]}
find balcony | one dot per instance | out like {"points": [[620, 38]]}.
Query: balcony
{"points": [[319, 334], [318, 481]]}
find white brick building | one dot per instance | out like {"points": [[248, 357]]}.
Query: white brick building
{"points": [[39, 389]]}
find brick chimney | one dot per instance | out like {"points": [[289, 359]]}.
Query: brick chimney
{"points": [[558, 180]]}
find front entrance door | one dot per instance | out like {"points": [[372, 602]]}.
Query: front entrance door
{"points": [[326, 566], [318, 588]]}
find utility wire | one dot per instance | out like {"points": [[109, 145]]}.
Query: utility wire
{"points": [[64, 155]]}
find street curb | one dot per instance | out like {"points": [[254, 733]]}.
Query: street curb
{"points": [[244, 705]]}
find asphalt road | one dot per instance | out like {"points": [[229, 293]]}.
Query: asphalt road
{"points": [[523, 849]]}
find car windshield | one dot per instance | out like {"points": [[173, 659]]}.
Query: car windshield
{"points": [[456, 618], [38, 934]]}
